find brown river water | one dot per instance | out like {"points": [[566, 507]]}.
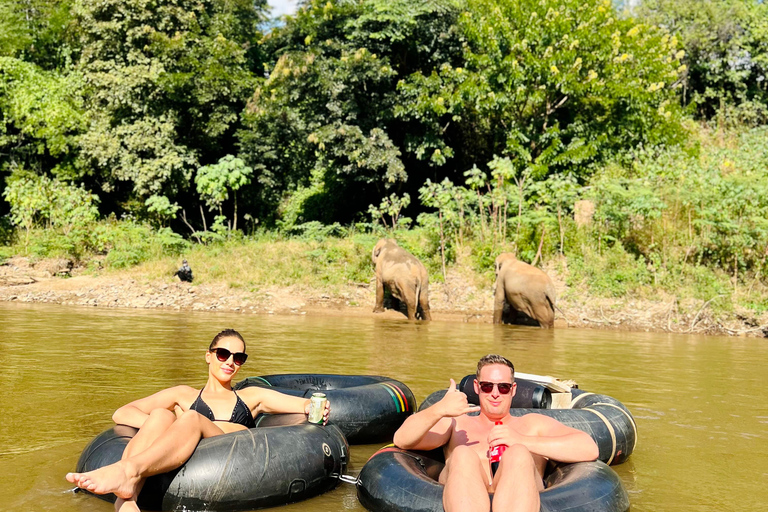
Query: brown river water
{"points": [[699, 402]]}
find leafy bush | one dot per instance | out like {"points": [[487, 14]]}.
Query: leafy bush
{"points": [[40, 201], [128, 243], [612, 273]]}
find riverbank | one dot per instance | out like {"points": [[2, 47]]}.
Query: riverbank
{"points": [[460, 299]]}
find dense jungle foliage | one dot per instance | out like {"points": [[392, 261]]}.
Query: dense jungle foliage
{"points": [[631, 142]]}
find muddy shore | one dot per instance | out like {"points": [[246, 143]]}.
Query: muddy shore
{"points": [[56, 282]]}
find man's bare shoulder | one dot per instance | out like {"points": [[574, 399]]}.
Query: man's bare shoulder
{"points": [[535, 423]]}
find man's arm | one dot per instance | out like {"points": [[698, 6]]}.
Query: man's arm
{"points": [[547, 437], [432, 427]]}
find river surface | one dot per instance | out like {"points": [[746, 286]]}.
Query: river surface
{"points": [[699, 402]]}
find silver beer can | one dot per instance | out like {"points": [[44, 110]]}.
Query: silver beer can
{"points": [[316, 407]]}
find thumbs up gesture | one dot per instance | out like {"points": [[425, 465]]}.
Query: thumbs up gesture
{"points": [[454, 403]]}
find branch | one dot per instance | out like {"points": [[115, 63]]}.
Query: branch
{"points": [[696, 318], [193, 230]]}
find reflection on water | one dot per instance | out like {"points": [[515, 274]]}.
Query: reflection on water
{"points": [[698, 401]]}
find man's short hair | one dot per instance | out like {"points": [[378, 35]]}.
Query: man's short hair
{"points": [[494, 359]]}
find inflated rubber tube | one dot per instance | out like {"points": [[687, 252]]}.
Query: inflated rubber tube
{"points": [[406, 481], [368, 409], [606, 419], [244, 470]]}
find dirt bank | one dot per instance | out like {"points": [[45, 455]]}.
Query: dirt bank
{"points": [[55, 281]]}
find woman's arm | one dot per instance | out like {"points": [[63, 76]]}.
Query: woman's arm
{"points": [[262, 400], [134, 414]]}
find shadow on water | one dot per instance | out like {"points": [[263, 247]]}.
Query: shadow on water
{"points": [[702, 422]]}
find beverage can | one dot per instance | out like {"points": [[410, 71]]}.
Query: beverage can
{"points": [[316, 408]]}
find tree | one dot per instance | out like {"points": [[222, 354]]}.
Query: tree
{"points": [[41, 118], [554, 85], [214, 183], [321, 126], [726, 53], [166, 81]]}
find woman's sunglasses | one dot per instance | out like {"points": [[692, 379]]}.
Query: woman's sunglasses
{"points": [[487, 387], [223, 354]]}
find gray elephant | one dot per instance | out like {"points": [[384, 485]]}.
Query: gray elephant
{"points": [[526, 289], [404, 276]]}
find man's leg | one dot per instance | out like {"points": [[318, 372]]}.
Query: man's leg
{"points": [[156, 424], [517, 482], [465, 482], [168, 452]]}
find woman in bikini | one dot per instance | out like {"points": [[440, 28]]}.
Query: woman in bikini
{"points": [[172, 422]]}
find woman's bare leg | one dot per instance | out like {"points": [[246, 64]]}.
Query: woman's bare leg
{"points": [[157, 423], [168, 452], [465, 482]]}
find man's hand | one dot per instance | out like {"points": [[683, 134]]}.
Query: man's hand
{"points": [[454, 403], [504, 434]]}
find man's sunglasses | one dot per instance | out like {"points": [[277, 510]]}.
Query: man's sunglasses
{"points": [[223, 354], [487, 387]]}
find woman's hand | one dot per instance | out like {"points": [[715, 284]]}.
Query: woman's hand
{"points": [[326, 411]]}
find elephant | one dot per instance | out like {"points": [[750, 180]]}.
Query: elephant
{"points": [[404, 276], [526, 289]]}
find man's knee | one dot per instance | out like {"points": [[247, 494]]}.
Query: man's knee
{"points": [[517, 456], [463, 455], [463, 460]]}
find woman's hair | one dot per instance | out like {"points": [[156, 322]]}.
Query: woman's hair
{"points": [[494, 359], [226, 333]]}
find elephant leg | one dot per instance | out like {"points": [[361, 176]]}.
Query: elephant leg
{"points": [[379, 306], [498, 303], [545, 316], [409, 297], [424, 303]]}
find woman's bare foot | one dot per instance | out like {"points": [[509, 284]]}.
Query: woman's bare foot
{"points": [[122, 505], [120, 478]]}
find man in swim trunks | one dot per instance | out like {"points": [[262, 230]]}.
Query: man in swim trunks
{"points": [[466, 440]]}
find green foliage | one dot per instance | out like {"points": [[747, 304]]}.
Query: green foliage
{"points": [[726, 54], [166, 82], [42, 116], [35, 30], [391, 206], [39, 201], [128, 243], [614, 273], [161, 207], [554, 85], [323, 118], [214, 183]]}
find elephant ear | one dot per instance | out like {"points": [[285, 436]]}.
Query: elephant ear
{"points": [[378, 248]]}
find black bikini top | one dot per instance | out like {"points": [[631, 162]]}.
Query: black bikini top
{"points": [[241, 414]]}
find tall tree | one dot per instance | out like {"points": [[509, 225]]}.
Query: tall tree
{"points": [[554, 85], [726, 53], [321, 127], [166, 81]]}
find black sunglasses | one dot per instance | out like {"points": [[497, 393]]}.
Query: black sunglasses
{"points": [[487, 387], [223, 354]]}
